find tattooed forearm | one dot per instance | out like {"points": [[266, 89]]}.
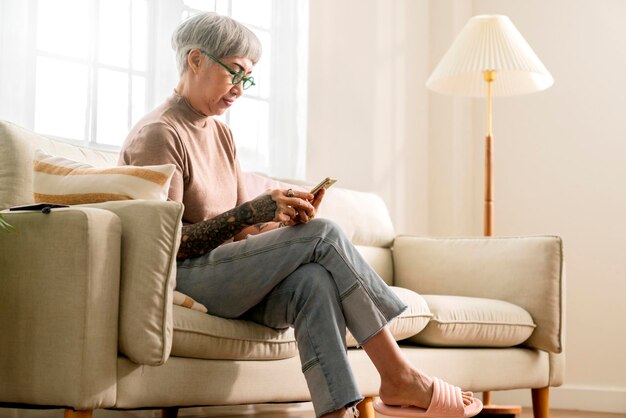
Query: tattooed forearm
{"points": [[202, 237]]}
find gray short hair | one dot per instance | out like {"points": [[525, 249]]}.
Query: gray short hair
{"points": [[218, 35]]}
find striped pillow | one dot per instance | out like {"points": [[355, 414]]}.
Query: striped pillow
{"points": [[63, 181]]}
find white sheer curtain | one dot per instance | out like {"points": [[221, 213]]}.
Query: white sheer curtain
{"points": [[85, 71]]}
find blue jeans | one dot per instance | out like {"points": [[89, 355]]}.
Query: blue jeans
{"points": [[307, 276]]}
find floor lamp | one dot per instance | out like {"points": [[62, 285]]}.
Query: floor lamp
{"points": [[489, 58]]}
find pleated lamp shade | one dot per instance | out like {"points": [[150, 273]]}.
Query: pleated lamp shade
{"points": [[489, 42]]}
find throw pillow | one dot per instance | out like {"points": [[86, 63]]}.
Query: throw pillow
{"points": [[461, 321], [63, 181]]}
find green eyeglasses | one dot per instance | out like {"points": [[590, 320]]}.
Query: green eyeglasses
{"points": [[238, 76]]}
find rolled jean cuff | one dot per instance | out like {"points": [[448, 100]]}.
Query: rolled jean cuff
{"points": [[367, 314], [366, 339], [326, 400]]}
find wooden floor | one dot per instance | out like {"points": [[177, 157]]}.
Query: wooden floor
{"points": [[528, 413]]}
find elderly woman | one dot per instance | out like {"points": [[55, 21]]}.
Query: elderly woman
{"points": [[268, 259]]}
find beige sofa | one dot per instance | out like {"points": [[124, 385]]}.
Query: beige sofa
{"points": [[87, 319]]}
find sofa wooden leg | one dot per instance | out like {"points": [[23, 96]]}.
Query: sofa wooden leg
{"points": [[366, 408], [70, 413], [541, 402], [171, 412]]}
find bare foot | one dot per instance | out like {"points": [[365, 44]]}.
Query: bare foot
{"points": [[413, 388]]}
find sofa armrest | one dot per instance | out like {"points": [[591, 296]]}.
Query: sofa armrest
{"points": [[59, 289], [526, 271]]}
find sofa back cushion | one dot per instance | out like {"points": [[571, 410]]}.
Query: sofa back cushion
{"points": [[17, 149], [380, 259], [362, 216], [525, 271]]}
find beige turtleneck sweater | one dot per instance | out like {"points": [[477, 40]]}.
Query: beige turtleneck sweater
{"points": [[208, 180]]}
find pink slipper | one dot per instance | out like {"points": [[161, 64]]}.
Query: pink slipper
{"points": [[447, 401]]}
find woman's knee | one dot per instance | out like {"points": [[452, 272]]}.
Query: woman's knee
{"points": [[314, 279], [326, 228]]}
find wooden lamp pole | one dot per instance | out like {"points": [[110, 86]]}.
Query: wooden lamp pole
{"points": [[490, 76]]}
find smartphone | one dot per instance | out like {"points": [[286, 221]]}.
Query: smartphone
{"points": [[38, 206], [324, 184]]}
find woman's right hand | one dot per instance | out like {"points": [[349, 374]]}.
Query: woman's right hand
{"points": [[293, 206], [284, 206], [290, 206]]}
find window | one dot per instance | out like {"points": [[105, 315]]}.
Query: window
{"points": [[91, 68], [86, 70]]}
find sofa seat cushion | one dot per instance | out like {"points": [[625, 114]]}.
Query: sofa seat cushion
{"points": [[199, 335], [409, 322], [474, 322]]}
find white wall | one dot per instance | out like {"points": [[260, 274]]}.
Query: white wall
{"points": [[561, 169], [365, 70], [560, 155]]}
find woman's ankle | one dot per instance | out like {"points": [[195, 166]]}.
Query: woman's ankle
{"points": [[413, 388], [400, 376]]}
